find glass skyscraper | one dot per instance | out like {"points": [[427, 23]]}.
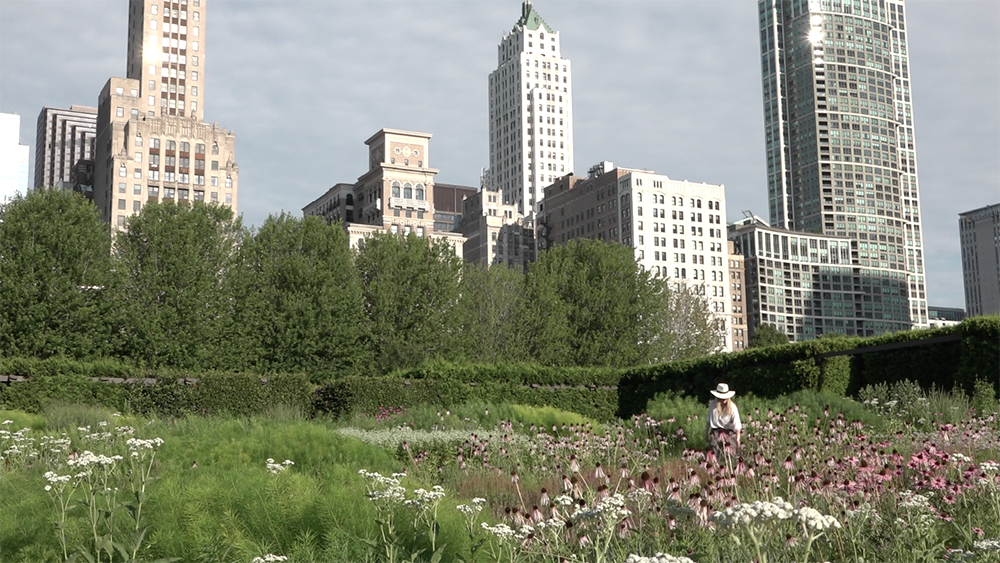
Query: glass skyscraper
{"points": [[838, 116]]}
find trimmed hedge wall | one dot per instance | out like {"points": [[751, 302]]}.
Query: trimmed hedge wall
{"points": [[769, 372], [587, 391], [600, 393], [230, 393]]}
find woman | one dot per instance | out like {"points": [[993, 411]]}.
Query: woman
{"points": [[723, 422]]}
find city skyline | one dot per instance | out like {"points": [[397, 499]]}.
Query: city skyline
{"points": [[673, 87]]}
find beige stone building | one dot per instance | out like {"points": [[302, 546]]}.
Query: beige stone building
{"points": [[496, 232], [152, 144], [675, 228], [395, 195]]}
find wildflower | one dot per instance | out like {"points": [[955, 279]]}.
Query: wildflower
{"points": [[269, 558]]}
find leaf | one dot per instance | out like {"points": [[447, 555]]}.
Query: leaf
{"points": [[436, 557]]}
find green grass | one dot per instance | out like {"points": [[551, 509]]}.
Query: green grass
{"points": [[471, 415]]}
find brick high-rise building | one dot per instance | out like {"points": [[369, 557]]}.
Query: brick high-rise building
{"points": [[531, 113], [841, 159], [152, 144]]}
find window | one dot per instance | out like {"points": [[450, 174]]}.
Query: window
{"points": [[168, 193], [194, 45], [185, 146], [121, 187], [121, 218], [119, 91], [137, 174], [215, 150], [136, 205], [215, 165], [154, 143], [154, 191], [395, 189], [199, 148], [182, 194], [171, 145], [121, 204], [407, 191], [215, 197], [194, 61], [420, 192], [229, 198], [183, 161], [138, 155], [199, 195], [215, 180], [137, 189], [120, 111], [199, 163], [229, 181], [153, 175], [122, 171]]}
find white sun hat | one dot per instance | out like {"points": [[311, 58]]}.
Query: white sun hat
{"points": [[723, 392]]}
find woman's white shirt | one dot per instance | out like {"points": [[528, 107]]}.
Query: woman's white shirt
{"points": [[723, 421]]}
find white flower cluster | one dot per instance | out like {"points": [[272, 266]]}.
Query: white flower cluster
{"points": [[424, 499], [987, 545], [814, 520], [755, 512], [276, 468], [563, 500], [269, 558], [658, 558], [865, 512], [911, 500], [960, 458], [88, 458], [136, 444], [383, 489], [990, 467], [476, 508], [505, 533]]}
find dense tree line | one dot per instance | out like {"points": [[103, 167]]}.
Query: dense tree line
{"points": [[189, 286]]}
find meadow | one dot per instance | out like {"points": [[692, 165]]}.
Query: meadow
{"points": [[896, 475]]}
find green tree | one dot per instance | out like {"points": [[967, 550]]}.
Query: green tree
{"points": [[689, 328], [593, 305], [173, 285], [767, 335], [491, 314], [410, 288], [300, 305], [55, 259]]}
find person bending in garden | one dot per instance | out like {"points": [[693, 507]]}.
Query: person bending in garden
{"points": [[723, 425]]}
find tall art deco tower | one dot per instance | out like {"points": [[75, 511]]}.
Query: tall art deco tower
{"points": [[838, 118], [152, 143], [531, 113]]}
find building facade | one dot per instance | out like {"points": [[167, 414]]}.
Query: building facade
{"points": [[449, 205], [531, 113], [496, 232], [395, 195], [941, 317], [152, 144], [675, 228], [13, 158], [841, 159], [737, 292], [809, 285], [979, 235], [63, 137]]}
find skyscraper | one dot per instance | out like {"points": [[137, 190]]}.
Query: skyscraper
{"points": [[838, 119], [13, 158], [531, 113], [166, 52], [63, 137], [152, 144], [979, 235]]}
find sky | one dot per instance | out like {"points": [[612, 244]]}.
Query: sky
{"points": [[671, 86]]}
